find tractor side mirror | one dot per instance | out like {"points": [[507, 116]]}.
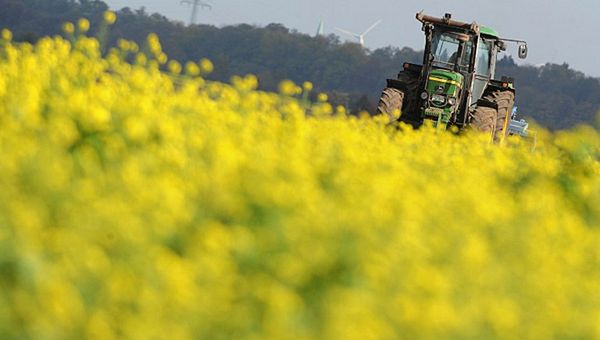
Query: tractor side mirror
{"points": [[501, 45], [522, 51]]}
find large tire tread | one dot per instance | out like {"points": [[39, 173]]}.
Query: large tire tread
{"points": [[390, 103], [490, 120], [505, 101], [484, 119], [395, 102]]}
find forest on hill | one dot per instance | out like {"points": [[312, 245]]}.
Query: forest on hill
{"points": [[555, 96]]}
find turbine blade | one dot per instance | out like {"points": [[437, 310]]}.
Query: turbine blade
{"points": [[348, 32], [372, 26]]}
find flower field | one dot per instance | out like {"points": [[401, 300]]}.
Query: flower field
{"points": [[146, 204]]}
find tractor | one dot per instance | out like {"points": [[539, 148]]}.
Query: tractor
{"points": [[455, 86]]}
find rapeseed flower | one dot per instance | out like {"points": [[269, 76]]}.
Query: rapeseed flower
{"points": [[110, 17], [83, 25]]}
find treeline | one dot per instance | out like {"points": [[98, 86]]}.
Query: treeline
{"points": [[553, 95]]}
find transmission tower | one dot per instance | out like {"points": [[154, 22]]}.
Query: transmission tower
{"points": [[196, 4]]}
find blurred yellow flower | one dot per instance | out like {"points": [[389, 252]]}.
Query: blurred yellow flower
{"points": [[141, 59], [174, 67], [110, 17], [154, 44], [162, 58], [308, 86], [288, 88], [123, 44], [68, 27], [192, 69], [83, 25], [6, 34], [206, 66], [322, 97]]}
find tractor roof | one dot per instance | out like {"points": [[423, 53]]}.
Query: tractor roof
{"points": [[489, 31], [447, 21]]}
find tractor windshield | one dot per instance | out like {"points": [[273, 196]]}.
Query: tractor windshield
{"points": [[446, 49]]}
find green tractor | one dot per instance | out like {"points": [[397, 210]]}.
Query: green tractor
{"points": [[455, 86]]}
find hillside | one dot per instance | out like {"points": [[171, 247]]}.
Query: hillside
{"points": [[553, 95]]}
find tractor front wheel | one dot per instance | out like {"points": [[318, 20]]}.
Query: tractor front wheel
{"points": [[395, 102]]}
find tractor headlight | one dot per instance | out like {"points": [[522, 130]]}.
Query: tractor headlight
{"points": [[424, 95], [452, 101]]}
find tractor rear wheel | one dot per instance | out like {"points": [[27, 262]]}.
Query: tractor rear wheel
{"points": [[505, 101], [492, 120], [484, 119], [395, 102]]}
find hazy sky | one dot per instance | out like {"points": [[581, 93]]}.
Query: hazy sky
{"points": [[557, 31]]}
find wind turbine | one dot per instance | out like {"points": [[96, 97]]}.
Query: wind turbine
{"points": [[195, 4], [320, 29], [360, 37]]}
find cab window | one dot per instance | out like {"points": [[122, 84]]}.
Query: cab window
{"points": [[482, 65]]}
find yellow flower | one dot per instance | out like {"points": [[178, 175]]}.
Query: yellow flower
{"points": [[154, 44], [206, 66], [192, 69], [287, 88], [308, 86], [110, 17], [124, 44], [174, 67], [83, 25], [322, 97], [6, 34], [162, 58], [141, 59], [251, 82], [68, 27]]}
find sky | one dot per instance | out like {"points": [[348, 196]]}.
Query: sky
{"points": [[556, 31]]}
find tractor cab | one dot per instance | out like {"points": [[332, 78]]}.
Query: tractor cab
{"points": [[452, 51]]}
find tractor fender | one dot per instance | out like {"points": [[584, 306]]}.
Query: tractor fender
{"points": [[413, 68], [397, 84], [505, 84], [486, 103]]}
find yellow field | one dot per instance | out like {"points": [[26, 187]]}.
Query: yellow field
{"points": [[145, 205]]}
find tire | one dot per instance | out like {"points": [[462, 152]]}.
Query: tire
{"points": [[396, 102], [484, 119], [491, 120], [390, 103], [505, 101]]}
